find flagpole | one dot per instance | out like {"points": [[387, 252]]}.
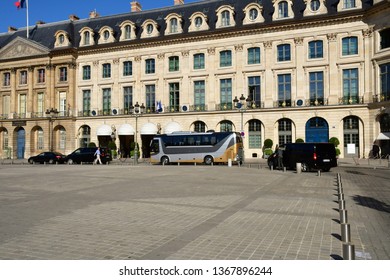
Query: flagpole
{"points": [[27, 17]]}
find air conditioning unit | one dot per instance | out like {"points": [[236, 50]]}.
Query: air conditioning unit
{"points": [[115, 111], [94, 113], [185, 108], [300, 102]]}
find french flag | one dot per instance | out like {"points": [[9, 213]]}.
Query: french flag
{"points": [[21, 4]]}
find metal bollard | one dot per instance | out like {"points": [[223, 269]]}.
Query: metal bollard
{"points": [[348, 251], [284, 169], [299, 167], [272, 167], [319, 173], [230, 162], [343, 216], [341, 196], [345, 233]]}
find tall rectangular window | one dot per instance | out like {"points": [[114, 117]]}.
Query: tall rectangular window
{"points": [[173, 25], [150, 98], [283, 9], [106, 70], [350, 86], [150, 66], [62, 142], [22, 105], [86, 102], [127, 99], [63, 105], [86, 72], [316, 88], [40, 139], [6, 106], [7, 79], [385, 38], [225, 58], [106, 101], [226, 94], [385, 82], [350, 45], [199, 96], [173, 63], [63, 74], [316, 49], [254, 55], [40, 104], [23, 77], [284, 90], [174, 97], [284, 52], [254, 91], [41, 75], [127, 68], [199, 61]]}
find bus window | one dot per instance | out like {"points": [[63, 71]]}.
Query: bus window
{"points": [[154, 147]]}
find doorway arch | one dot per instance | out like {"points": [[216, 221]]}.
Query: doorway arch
{"points": [[20, 142], [317, 130]]}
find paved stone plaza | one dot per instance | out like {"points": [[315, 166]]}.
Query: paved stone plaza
{"points": [[189, 212]]}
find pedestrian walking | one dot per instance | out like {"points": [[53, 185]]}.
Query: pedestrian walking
{"points": [[97, 155], [279, 157]]}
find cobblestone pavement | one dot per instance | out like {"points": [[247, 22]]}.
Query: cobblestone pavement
{"points": [[188, 212]]}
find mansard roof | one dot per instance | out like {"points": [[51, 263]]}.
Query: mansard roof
{"points": [[44, 34]]}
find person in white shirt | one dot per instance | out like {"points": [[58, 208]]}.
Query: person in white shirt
{"points": [[97, 155]]}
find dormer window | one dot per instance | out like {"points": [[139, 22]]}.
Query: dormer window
{"points": [[315, 7], [198, 22], [86, 35], [283, 9], [62, 39], [349, 4], [173, 22], [225, 16], [149, 29], [253, 14], [106, 35], [127, 31]]}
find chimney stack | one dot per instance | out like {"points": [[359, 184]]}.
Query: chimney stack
{"points": [[94, 14], [73, 17], [179, 2], [136, 6], [12, 29]]}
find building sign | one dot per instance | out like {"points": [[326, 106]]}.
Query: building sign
{"points": [[351, 149], [18, 123]]}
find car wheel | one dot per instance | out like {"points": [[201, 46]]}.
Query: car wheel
{"points": [[164, 160], [208, 160], [304, 167], [30, 161], [70, 161], [51, 161]]}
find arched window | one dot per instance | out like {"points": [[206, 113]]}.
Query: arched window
{"points": [[85, 136], [199, 126], [87, 38], [285, 131], [226, 126], [62, 138], [40, 139], [254, 134]]}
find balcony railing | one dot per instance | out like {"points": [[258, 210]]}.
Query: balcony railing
{"points": [[381, 97], [351, 100]]}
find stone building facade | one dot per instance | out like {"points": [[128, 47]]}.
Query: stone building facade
{"points": [[271, 69]]}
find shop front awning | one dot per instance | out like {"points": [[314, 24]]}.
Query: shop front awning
{"points": [[383, 136], [149, 129], [172, 127], [104, 130], [126, 129]]}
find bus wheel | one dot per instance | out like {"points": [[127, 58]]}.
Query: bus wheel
{"points": [[208, 160], [164, 160]]}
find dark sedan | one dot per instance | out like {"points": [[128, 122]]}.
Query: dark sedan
{"points": [[49, 157]]}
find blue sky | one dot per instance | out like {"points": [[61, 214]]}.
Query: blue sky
{"points": [[58, 10]]}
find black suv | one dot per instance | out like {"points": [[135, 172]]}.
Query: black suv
{"points": [[82, 155]]}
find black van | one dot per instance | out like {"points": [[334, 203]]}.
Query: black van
{"points": [[319, 156], [88, 155]]}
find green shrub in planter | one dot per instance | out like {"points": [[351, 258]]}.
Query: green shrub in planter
{"points": [[268, 143], [91, 145], [335, 141], [299, 140]]}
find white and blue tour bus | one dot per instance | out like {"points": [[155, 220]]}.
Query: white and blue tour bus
{"points": [[197, 147]]}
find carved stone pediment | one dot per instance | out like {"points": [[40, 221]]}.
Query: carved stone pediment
{"points": [[20, 47]]}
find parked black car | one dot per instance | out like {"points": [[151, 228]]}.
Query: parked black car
{"points": [[87, 155], [319, 156], [49, 157]]}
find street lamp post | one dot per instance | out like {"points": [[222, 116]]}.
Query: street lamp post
{"points": [[51, 114], [241, 105], [136, 111]]}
